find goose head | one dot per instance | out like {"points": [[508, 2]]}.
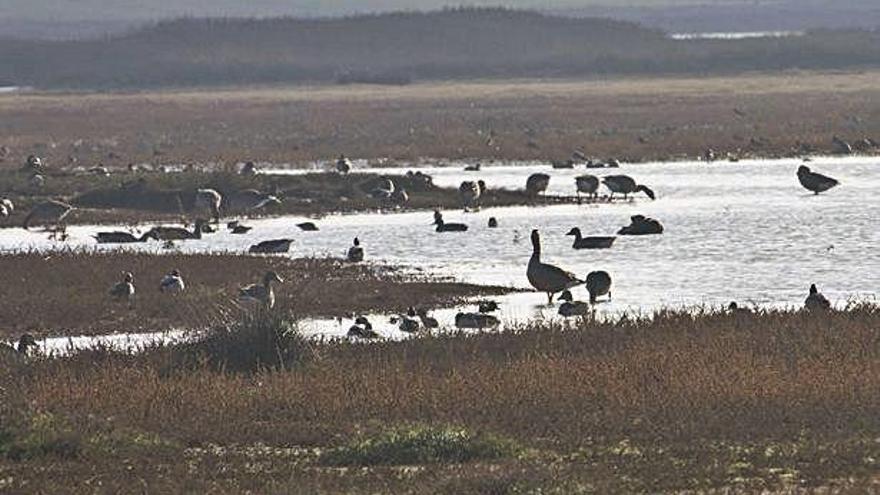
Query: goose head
{"points": [[357, 241], [566, 296], [803, 169], [813, 289], [438, 218], [127, 277], [575, 232], [482, 184]]}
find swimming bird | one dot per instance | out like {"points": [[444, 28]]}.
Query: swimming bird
{"points": [[571, 307], [343, 165], [641, 225], [472, 168], [356, 252], [251, 199], [51, 211], [271, 246], [447, 227], [598, 284], [537, 183], [814, 181], [493, 222], [475, 320], [427, 321], [594, 242], [562, 163], [172, 283], [240, 229], [487, 306], [261, 293], [307, 226], [545, 277], [363, 329], [587, 184], [209, 199], [469, 192], [178, 233], [124, 290], [816, 301], [124, 237], [626, 185]]}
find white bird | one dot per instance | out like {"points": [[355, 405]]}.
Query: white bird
{"points": [[261, 293], [172, 283], [124, 290]]}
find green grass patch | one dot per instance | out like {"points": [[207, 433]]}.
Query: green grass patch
{"points": [[418, 444], [45, 436]]}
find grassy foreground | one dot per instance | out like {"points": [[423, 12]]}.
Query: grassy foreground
{"points": [[776, 401]]}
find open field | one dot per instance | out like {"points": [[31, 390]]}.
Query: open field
{"points": [[66, 293], [631, 118], [772, 401]]}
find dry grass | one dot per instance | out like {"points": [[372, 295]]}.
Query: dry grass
{"points": [[682, 401], [634, 118], [66, 293]]}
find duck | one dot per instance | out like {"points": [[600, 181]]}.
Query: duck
{"points": [[261, 293], [598, 284], [476, 320], [124, 290], [427, 320], [356, 252], [816, 301], [447, 227], [537, 183], [271, 246], [641, 225], [593, 242], [587, 184], [209, 199], [123, 237], [178, 233], [813, 181], [363, 329], [493, 223], [734, 309], [172, 283], [405, 323], [307, 226], [626, 185], [51, 211], [571, 307], [241, 229], [473, 168], [545, 277], [470, 192], [343, 164]]}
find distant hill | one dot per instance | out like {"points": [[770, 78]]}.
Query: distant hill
{"points": [[397, 47]]}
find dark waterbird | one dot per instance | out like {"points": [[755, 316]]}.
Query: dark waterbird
{"points": [[813, 181], [593, 242], [545, 277]]}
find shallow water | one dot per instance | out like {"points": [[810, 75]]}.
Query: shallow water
{"points": [[742, 231]]}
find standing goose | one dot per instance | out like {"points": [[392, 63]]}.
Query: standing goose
{"points": [[546, 277], [356, 252], [209, 199], [51, 211], [587, 184], [271, 246], [816, 301], [261, 293], [598, 284], [470, 192], [123, 237], [814, 181], [178, 233], [571, 307], [626, 185], [21, 347], [124, 290], [343, 165], [249, 168], [172, 283], [537, 183], [447, 227], [593, 242]]}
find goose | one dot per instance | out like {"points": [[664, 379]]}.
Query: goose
{"points": [[123, 237], [8, 205], [814, 181], [475, 320], [571, 307], [493, 222], [473, 168], [545, 277], [21, 347], [271, 246], [399, 197], [734, 309], [251, 199], [626, 185], [206, 227], [406, 323], [307, 226], [487, 306], [593, 242], [172, 283], [363, 329], [469, 192], [249, 168], [447, 227], [641, 225], [178, 233], [816, 301], [598, 284], [124, 290], [356, 252], [51, 211], [537, 183], [427, 321], [587, 184], [562, 163], [343, 165], [261, 293], [240, 229], [384, 190], [210, 200]]}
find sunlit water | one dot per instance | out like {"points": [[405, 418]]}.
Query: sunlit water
{"points": [[742, 231]]}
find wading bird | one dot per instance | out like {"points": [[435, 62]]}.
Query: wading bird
{"points": [[626, 185], [545, 277], [813, 181]]}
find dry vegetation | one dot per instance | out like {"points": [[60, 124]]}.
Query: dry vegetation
{"points": [[66, 293], [680, 402], [636, 119]]}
